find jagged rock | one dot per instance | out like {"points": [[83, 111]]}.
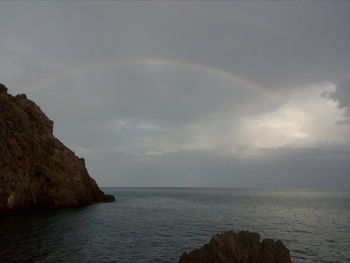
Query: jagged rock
{"points": [[242, 247], [36, 169]]}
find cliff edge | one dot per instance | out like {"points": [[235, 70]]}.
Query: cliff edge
{"points": [[36, 169], [242, 247]]}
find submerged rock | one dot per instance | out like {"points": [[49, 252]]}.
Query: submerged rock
{"points": [[36, 169], [242, 247]]}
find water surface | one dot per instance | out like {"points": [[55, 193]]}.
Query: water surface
{"points": [[158, 224]]}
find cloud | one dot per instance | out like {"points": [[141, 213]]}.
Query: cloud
{"points": [[342, 95], [305, 120]]}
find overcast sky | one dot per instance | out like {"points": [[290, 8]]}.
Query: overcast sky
{"points": [[194, 94]]}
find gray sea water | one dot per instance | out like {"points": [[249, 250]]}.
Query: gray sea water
{"points": [[158, 224]]}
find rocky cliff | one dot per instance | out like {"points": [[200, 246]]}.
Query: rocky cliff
{"points": [[242, 247], [36, 169]]}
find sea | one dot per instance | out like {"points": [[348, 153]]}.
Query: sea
{"points": [[158, 224]]}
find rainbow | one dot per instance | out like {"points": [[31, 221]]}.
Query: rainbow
{"points": [[147, 61]]}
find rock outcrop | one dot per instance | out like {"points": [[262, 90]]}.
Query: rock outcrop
{"points": [[36, 169], [242, 247]]}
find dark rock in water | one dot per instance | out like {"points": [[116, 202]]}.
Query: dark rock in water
{"points": [[36, 169], [242, 247]]}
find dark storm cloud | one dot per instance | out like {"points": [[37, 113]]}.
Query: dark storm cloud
{"points": [[342, 94]]}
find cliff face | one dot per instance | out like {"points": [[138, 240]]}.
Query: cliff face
{"points": [[242, 247], [36, 169]]}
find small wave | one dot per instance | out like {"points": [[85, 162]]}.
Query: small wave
{"points": [[303, 252]]}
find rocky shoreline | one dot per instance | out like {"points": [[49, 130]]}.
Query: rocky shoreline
{"points": [[36, 169]]}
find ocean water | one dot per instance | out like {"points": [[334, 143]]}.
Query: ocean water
{"points": [[158, 224]]}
